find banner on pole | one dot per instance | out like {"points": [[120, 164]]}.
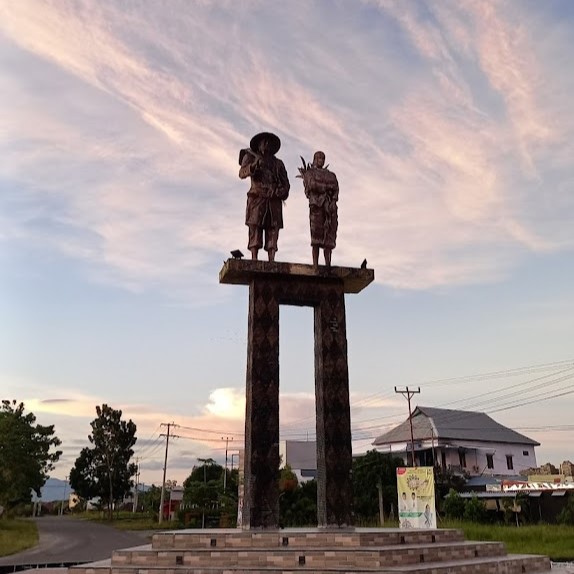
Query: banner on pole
{"points": [[416, 504]]}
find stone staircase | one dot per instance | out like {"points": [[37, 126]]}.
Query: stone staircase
{"points": [[311, 550]]}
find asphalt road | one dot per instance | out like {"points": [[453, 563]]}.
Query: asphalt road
{"points": [[64, 539]]}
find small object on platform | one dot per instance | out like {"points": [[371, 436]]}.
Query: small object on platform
{"points": [[364, 264], [236, 254]]}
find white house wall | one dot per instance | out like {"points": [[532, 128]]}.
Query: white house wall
{"points": [[476, 460]]}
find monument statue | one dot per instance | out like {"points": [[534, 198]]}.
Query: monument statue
{"points": [[322, 191], [271, 286], [269, 188]]}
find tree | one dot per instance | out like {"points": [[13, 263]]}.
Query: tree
{"points": [[149, 500], [287, 479], [105, 469], [475, 510], [368, 471], [83, 476], [454, 505], [209, 470], [566, 515], [298, 505], [27, 454], [204, 500]]}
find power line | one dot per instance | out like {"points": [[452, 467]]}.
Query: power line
{"points": [[209, 431]]}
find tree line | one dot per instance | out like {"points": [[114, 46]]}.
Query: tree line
{"points": [[104, 470]]}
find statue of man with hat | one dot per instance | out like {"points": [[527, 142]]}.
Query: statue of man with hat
{"points": [[269, 188]]}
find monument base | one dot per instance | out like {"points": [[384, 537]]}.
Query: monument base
{"points": [[365, 550]]}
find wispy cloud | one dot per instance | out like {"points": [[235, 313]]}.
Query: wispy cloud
{"points": [[448, 128]]}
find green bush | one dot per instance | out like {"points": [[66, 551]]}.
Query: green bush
{"points": [[566, 515], [475, 510], [454, 505]]}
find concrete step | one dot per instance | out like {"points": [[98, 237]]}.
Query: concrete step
{"points": [[301, 538], [309, 557], [510, 564]]}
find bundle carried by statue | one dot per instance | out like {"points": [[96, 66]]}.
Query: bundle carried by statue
{"points": [[319, 183]]}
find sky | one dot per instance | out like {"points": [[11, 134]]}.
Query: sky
{"points": [[450, 128]]}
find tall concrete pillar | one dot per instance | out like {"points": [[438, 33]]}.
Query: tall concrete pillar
{"points": [[270, 285]]}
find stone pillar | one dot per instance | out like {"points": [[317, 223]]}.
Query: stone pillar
{"points": [[334, 455], [261, 503], [272, 284]]}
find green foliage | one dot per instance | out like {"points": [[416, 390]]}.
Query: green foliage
{"points": [[368, 471], [475, 510], [27, 454], [566, 515], [105, 470], [516, 510], [287, 479], [298, 506], [555, 541], [445, 481], [205, 501], [454, 505], [84, 476], [206, 472], [149, 500]]}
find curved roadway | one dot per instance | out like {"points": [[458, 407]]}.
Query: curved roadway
{"points": [[63, 539]]}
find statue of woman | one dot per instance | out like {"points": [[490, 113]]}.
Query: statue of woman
{"points": [[322, 191]]}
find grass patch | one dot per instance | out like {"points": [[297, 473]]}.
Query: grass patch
{"points": [[17, 535], [555, 541]]}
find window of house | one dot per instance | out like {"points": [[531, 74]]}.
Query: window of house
{"points": [[509, 464], [525, 452], [489, 461], [462, 458]]}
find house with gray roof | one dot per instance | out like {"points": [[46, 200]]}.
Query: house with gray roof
{"points": [[462, 441]]}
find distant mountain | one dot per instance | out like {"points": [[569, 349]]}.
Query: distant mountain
{"points": [[54, 489]]}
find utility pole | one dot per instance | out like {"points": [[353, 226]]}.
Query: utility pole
{"points": [[168, 425], [226, 439], [135, 504], [408, 394], [64, 497], [381, 509], [205, 461]]}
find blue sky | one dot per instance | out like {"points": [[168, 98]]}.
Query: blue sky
{"points": [[449, 127]]}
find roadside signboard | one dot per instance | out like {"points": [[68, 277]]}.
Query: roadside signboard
{"points": [[416, 501]]}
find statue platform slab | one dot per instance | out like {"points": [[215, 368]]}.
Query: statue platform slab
{"points": [[244, 271]]}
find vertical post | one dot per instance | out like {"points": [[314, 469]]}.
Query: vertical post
{"points": [[162, 498], [408, 394], [204, 461], [226, 439], [135, 503], [64, 497], [381, 508]]}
